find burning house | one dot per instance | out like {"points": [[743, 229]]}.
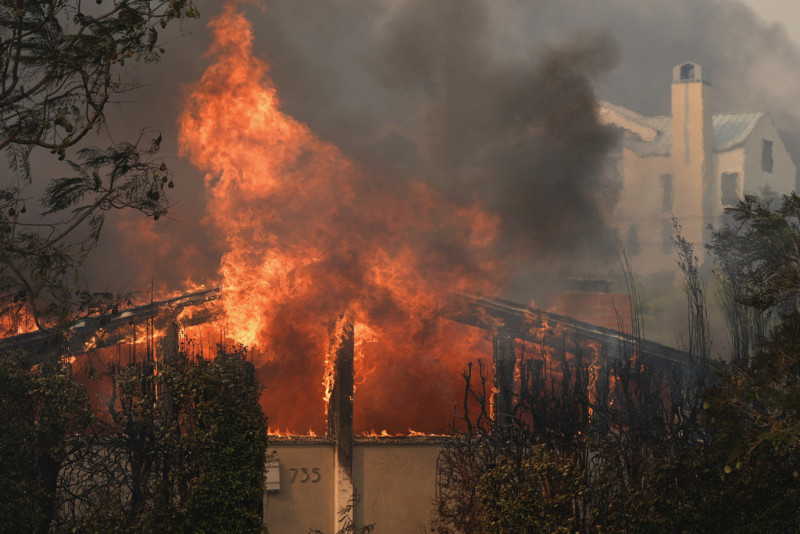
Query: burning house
{"points": [[311, 478], [358, 406]]}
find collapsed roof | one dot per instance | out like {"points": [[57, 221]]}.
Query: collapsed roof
{"points": [[494, 315]]}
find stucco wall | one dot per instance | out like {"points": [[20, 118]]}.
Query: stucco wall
{"points": [[731, 161], [305, 498], [691, 158], [640, 198], [395, 479], [397, 484], [782, 178], [640, 205]]}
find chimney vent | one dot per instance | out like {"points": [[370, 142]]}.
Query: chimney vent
{"points": [[689, 72]]}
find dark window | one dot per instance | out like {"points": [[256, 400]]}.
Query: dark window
{"points": [[687, 72], [766, 155], [632, 243], [730, 188], [667, 193]]}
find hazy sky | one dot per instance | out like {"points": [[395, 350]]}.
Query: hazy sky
{"points": [[783, 12]]}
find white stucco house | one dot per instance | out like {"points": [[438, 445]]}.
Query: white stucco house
{"points": [[689, 165]]}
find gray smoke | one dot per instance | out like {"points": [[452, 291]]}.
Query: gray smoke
{"points": [[420, 93], [489, 102]]}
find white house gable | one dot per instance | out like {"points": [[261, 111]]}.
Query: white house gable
{"points": [[721, 157]]}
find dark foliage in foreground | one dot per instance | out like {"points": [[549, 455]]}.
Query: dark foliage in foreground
{"points": [[178, 448], [647, 450], [62, 62]]}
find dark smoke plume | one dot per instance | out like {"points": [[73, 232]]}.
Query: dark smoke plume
{"points": [[421, 95], [485, 100]]}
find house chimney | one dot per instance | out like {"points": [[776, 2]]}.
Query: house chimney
{"points": [[692, 152]]}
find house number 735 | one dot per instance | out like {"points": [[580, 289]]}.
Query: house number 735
{"points": [[306, 475]]}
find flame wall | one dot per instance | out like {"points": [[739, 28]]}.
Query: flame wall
{"points": [[311, 235]]}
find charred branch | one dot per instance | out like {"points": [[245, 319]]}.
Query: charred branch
{"points": [[340, 409], [504, 360]]}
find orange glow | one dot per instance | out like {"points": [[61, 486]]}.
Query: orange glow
{"points": [[311, 235], [372, 434], [17, 323]]}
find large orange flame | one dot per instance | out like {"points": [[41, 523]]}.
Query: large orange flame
{"points": [[312, 235]]}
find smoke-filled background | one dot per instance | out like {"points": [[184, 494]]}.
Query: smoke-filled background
{"points": [[486, 102], [368, 157]]}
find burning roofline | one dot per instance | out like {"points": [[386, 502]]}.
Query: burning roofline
{"points": [[494, 315], [560, 331], [48, 345]]}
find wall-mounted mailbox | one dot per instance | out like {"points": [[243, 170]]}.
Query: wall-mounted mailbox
{"points": [[272, 476]]}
